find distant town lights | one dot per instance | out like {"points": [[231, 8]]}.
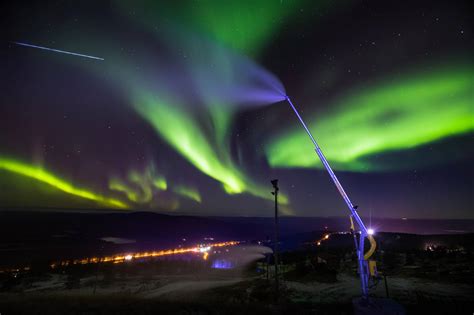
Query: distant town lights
{"points": [[204, 249]]}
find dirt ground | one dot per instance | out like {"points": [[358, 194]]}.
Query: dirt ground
{"points": [[404, 290]]}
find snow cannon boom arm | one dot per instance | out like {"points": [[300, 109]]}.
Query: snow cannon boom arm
{"points": [[363, 265]]}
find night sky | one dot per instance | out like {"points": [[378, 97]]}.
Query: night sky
{"points": [[184, 114]]}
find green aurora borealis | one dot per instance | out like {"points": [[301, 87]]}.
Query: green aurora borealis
{"points": [[398, 114], [172, 67], [246, 26], [48, 178], [186, 136], [188, 192], [206, 145]]}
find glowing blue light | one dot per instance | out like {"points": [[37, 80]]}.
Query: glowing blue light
{"points": [[222, 264]]}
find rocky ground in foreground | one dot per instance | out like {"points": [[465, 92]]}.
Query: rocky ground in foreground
{"points": [[221, 293]]}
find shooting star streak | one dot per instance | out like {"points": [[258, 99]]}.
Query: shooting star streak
{"points": [[58, 51]]}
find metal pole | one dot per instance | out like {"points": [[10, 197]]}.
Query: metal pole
{"points": [[267, 264], [363, 230], [330, 171], [275, 193], [363, 272], [386, 285]]}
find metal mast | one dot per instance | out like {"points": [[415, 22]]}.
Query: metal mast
{"points": [[363, 267], [275, 249]]}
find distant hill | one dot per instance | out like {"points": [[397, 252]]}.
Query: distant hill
{"points": [[38, 234]]}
